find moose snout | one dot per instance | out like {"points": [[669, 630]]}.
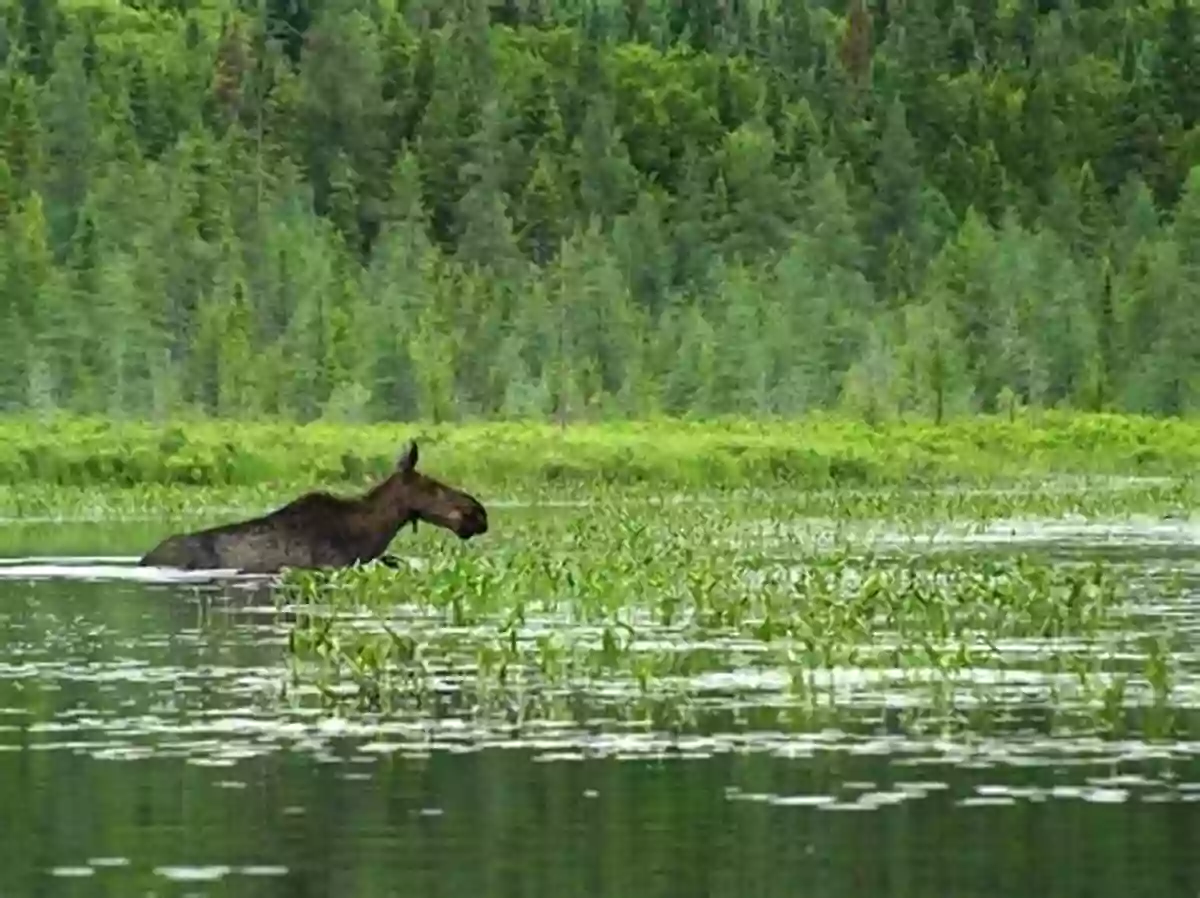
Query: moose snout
{"points": [[473, 523]]}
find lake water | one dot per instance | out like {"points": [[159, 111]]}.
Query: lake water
{"points": [[140, 754]]}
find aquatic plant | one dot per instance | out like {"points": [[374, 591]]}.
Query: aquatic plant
{"points": [[664, 613], [886, 508]]}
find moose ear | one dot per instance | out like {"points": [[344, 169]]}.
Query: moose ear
{"points": [[408, 461]]}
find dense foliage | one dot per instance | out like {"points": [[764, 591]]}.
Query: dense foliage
{"points": [[383, 209], [509, 458]]}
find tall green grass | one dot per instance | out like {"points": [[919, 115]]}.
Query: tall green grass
{"points": [[815, 452]]}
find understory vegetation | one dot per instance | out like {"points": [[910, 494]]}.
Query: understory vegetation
{"points": [[529, 457]]}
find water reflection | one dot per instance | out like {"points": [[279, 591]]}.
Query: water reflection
{"points": [[493, 823]]}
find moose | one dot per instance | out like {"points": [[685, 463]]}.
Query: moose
{"points": [[320, 530]]}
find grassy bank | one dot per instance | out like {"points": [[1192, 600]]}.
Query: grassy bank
{"points": [[812, 453]]}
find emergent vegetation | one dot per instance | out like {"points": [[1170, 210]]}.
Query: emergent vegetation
{"points": [[680, 616]]}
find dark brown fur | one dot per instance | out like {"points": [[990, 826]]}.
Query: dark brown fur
{"points": [[321, 530]]}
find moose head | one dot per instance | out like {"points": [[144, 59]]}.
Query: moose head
{"points": [[430, 500]]}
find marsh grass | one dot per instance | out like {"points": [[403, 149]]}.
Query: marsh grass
{"points": [[815, 452], [896, 507], [667, 614]]}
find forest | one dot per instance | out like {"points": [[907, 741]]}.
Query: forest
{"points": [[444, 210]]}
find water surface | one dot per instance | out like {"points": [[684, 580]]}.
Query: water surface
{"points": [[145, 750]]}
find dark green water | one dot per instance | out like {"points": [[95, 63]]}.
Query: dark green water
{"points": [[141, 753]]}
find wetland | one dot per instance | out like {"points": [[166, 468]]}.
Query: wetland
{"points": [[766, 692]]}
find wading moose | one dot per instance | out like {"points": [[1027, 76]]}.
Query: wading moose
{"points": [[321, 530]]}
